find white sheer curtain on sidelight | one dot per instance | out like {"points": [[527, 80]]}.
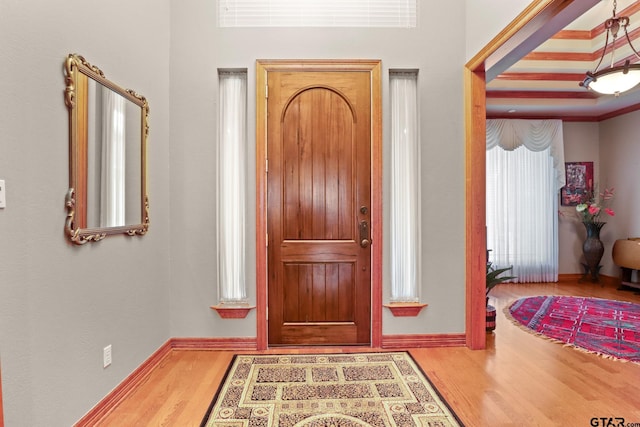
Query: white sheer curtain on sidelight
{"points": [[525, 171], [405, 187], [231, 157], [112, 179]]}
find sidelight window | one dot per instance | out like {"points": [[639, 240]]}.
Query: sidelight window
{"points": [[405, 187], [231, 185]]}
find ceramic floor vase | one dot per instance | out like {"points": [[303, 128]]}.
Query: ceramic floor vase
{"points": [[593, 249]]}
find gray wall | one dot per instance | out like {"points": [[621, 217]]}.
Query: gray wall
{"points": [[60, 304], [484, 19], [199, 49], [619, 154], [581, 144], [614, 155]]}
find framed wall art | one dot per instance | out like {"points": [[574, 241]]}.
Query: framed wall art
{"points": [[579, 183]]}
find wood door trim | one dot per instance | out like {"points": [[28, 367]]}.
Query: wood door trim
{"points": [[538, 17], [263, 67]]}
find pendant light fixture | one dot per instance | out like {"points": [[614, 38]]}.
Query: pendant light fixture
{"points": [[618, 77]]}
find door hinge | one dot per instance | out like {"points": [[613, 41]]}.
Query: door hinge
{"points": [[266, 165], [267, 241], [266, 91]]}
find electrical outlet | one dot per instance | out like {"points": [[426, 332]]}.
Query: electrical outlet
{"points": [[106, 356], [3, 200]]}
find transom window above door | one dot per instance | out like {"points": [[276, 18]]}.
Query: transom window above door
{"points": [[317, 13]]}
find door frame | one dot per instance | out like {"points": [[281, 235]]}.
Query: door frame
{"points": [[374, 68], [537, 23]]}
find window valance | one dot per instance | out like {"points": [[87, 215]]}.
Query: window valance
{"points": [[535, 135]]}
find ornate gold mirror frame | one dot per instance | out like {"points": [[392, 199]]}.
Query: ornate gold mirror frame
{"points": [[108, 130]]}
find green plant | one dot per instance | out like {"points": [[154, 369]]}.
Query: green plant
{"points": [[494, 278]]}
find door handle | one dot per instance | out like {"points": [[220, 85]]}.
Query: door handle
{"points": [[364, 234]]}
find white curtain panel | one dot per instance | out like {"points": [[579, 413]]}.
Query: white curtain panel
{"points": [[535, 135], [525, 171], [231, 163], [405, 188], [112, 180]]}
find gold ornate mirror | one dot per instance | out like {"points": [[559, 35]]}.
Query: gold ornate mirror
{"points": [[108, 129]]}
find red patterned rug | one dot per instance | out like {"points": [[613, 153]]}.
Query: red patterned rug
{"points": [[608, 328]]}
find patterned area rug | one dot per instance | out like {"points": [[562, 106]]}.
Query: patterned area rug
{"points": [[318, 390], [608, 328]]}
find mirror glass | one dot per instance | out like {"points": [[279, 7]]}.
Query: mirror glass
{"points": [[108, 133]]}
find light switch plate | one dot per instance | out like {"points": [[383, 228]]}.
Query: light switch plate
{"points": [[3, 199], [106, 356]]}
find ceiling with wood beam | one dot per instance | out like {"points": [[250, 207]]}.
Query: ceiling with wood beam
{"points": [[544, 83]]}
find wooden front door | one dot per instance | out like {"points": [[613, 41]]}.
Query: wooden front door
{"points": [[318, 207]]}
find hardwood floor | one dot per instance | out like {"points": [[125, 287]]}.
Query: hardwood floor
{"points": [[519, 380]]}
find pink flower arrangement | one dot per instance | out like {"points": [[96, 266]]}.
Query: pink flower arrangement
{"points": [[590, 210]]}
